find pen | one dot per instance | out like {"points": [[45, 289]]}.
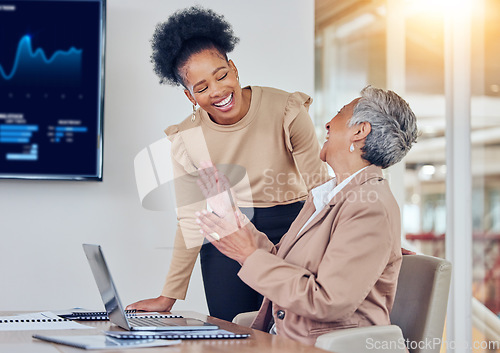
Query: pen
{"points": [[233, 206], [231, 200], [234, 209]]}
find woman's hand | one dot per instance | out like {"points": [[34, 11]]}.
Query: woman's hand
{"points": [[155, 304], [216, 188], [234, 242]]}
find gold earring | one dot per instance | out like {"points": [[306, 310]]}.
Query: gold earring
{"points": [[193, 117]]}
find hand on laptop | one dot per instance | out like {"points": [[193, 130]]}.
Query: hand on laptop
{"points": [[159, 304]]}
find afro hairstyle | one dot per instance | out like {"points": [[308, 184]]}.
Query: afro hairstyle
{"points": [[187, 32]]}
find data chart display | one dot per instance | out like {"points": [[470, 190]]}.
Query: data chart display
{"points": [[51, 89]]}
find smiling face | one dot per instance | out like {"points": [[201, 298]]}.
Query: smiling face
{"points": [[338, 135], [212, 82]]}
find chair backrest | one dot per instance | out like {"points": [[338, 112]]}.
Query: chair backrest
{"points": [[421, 300]]}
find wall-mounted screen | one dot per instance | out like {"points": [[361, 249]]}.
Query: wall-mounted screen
{"points": [[51, 89]]}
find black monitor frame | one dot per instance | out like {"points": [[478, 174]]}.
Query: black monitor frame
{"points": [[98, 107]]}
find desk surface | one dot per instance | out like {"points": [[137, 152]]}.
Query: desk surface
{"points": [[22, 342]]}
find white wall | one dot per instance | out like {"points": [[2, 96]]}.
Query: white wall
{"points": [[44, 223]]}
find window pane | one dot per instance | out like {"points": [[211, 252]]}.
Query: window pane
{"points": [[485, 152], [350, 54], [424, 215]]}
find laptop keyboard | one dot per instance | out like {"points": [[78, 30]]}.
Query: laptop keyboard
{"points": [[145, 321]]}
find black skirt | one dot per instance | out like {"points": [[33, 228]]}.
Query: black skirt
{"points": [[226, 294]]}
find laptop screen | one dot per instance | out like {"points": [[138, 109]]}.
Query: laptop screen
{"points": [[106, 285]]}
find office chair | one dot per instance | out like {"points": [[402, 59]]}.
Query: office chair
{"points": [[417, 316]]}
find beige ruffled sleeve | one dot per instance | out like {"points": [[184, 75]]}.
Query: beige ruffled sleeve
{"points": [[179, 152], [301, 140], [187, 235]]}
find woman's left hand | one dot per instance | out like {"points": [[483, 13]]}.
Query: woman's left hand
{"points": [[236, 243]]}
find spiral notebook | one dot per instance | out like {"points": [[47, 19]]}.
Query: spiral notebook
{"points": [[86, 315], [38, 321], [174, 335]]}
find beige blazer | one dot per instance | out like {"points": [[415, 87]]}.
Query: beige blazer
{"points": [[340, 272]]}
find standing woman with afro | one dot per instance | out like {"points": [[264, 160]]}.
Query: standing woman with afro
{"points": [[265, 130]]}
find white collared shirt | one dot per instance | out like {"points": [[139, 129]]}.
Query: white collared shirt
{"points": [[324, 193]]}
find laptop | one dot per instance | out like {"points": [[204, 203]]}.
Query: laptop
{"points": [[115, 309]]}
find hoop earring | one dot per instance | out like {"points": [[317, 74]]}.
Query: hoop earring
{"points": [[351, 149], [193, 116]]}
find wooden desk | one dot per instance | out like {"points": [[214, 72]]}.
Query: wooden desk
{"points": [[258, 342]]}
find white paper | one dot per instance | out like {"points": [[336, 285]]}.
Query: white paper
{"points": [[38, 321]]}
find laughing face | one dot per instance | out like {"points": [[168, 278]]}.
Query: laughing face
{"points": [[212, 82], [338, 135]]}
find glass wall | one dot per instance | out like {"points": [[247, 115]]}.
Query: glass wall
{"points": [[357, 45], [485, 152]]}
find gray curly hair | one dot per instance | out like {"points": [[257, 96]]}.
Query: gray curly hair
{"points": [[393, 126]]}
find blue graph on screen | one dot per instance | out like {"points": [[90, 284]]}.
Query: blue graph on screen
{"points": [[62, 68]]}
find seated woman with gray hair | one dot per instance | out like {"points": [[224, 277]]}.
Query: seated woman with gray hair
{"points": [[338, 264]]}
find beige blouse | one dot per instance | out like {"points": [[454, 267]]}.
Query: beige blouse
{"points": [[271, 157]]}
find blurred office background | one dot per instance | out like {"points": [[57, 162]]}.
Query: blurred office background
{"points": [[443, 57]]}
